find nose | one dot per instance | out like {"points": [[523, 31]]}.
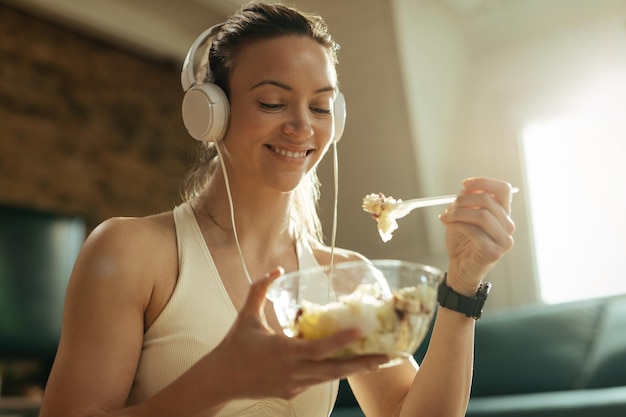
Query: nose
{"points": [[298, 124]]}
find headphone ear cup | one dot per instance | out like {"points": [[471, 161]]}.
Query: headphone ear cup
{"points": [[206, 112], [339, 114]]}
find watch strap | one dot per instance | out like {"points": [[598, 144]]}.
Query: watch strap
{"points": [[470, 306]]}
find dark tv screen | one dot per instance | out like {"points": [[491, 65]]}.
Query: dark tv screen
{"points": [[37, 254]]}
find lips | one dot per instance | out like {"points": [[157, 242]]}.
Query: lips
{"points": [[287, 153]]}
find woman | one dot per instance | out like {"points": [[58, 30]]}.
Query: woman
{"points": [[165, 315]]}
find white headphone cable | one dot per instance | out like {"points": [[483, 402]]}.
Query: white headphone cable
{"points": [[232, 210], [336, 198]]}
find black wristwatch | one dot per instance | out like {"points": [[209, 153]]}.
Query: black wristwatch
{"points": [[470, 306]]}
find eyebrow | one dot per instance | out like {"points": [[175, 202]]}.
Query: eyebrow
{"points": [[287, 87]]}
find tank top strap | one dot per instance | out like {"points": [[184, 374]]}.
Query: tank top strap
{"points": [[185, 227]]}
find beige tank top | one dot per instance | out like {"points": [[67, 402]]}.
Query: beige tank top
{"points": [[196, 318]]}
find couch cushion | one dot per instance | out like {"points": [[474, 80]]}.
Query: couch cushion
{"points": [[606, 366], [608, 402], [533, 348]]}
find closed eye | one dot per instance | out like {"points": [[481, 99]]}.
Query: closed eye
{"points": [[270, 106], [319, 110]]}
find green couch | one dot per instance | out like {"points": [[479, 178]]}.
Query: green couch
{"points": [[561, 360]]}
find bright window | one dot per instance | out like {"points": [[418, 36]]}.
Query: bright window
{"points": [[576, 184]]}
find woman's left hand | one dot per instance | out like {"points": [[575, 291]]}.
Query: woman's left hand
{"points": [[479, 231]]}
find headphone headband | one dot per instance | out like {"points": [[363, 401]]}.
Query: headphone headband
{"points": [[187, 75]]}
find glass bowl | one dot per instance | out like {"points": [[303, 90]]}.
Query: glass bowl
{"points": [[390, 301]]}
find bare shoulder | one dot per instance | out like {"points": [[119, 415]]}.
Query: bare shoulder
{"points": [[135, 255], [324, 253], [125, 233], [135, 242]]}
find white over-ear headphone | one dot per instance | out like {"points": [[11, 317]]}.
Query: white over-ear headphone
{"points": [[206, 112]]}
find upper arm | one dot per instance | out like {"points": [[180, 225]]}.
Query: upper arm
{"points": [[380, 393], [103, 324]]}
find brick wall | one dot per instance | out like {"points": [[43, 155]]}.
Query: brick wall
{"points": [[86, 128]]}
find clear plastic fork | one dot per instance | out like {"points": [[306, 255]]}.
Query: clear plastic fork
{"points": [[402, 208]]}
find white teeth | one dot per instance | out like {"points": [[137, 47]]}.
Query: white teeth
{"points": [[288, 154]]}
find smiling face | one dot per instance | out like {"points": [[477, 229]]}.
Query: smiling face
{"points": [[282, 92]]}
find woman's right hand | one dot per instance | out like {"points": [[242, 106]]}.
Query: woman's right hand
{"points": [[257, 362]]}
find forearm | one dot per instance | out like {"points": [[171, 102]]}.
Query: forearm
{"points": [[442, 384]]}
